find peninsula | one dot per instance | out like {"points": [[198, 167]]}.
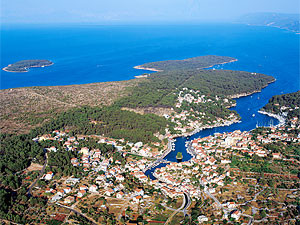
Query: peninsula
{"points": [[199, 62], [283, 107], [24, 65], [189, 97]]}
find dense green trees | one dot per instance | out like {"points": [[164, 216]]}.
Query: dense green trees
{"points": [[17, 154], [199, 62], [291, 100], [161, 88], [112, 122]]}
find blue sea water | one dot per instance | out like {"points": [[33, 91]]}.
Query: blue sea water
{"points": [[90, 53]]}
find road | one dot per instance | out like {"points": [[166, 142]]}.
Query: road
{"points": [[188, 203], [183, 208], [39, 176]]}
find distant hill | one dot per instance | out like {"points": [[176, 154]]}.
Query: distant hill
{"points": [[284, 21]]}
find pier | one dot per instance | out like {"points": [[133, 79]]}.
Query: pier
{"points": [[190, 149]]}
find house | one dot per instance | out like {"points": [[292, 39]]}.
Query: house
{"points": [[60, 192], [230, 205], [72, 180], [48, 190], [139, 191], [52, 149], [74, 160], [93, 188], [49, 175], [83, 187], [202, 219], [67, 190], [276, 155], [69, 200], [81, 193], [225, 161], [109, 192], [138, 144], [212, 190], [120, 195], [56, 198], [84, 151], [120, 178], [137, 199], [71, 139], [236, 214]]}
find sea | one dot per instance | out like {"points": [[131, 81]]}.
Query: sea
{"points": [[97, 53]]}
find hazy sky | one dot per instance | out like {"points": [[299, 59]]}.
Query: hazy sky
{"points": [[118, 11]]}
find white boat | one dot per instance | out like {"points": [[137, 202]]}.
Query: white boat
{"points": [[253, 115]]}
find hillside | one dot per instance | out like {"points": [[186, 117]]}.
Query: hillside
{"points": [[286, 104], [25, 108], [284, 21]]}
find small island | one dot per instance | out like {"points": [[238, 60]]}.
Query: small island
{"points": [[24, 65], [179, 156]]}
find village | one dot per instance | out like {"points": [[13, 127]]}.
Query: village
{"points": [[212, 173], [193, 112]]}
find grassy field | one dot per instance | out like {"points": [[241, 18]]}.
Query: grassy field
{"points": [[25, 108]]}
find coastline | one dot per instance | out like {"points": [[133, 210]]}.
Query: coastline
{"points": [[265, 25], [147, 68], [227, 123], [250, 93], [188, 134], [234, 60], [189, 148], [281, 119]]}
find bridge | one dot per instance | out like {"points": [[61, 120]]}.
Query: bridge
{"points": [[155, 163]]}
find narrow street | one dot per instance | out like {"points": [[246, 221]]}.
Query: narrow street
{"points": [[39, 176]]}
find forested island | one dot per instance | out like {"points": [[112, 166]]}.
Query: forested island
{"points": [[25, 65]]}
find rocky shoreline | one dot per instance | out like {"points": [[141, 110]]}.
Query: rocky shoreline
{"points": [[234, 60], [146, 68], [280, 118], [249, 93]]}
